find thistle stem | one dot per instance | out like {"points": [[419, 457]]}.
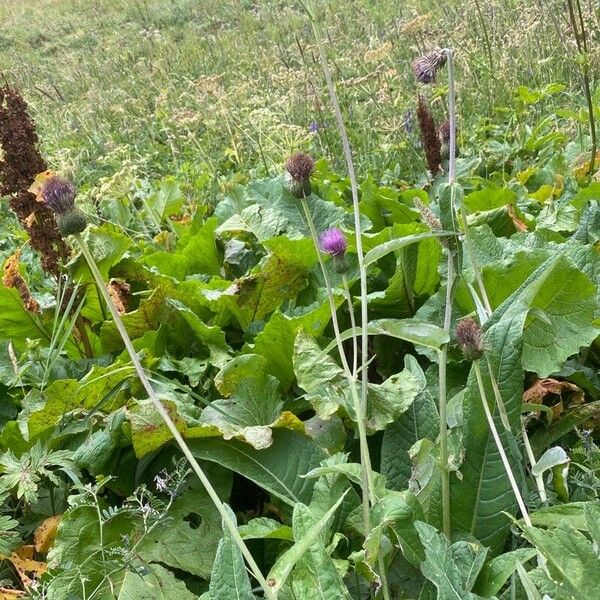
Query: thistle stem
{"points": [[539, 479], [353, 325], [231, 526], [367, 486], [499, 446], [442, 364]]}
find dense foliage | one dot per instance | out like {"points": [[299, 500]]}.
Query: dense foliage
{"points": [[482, 293]]}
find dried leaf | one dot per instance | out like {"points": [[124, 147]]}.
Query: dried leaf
{"points": [[45, 534]]}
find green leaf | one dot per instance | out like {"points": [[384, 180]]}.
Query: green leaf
{"points": [[488, 198], [265, 528], [572, 514], [327, 387], [440, 566], [168, 200], [253, 405], [397, 244], [315, 572], [156, 584], [571, 560], [484, 493], [418, 422], [276, 341], [277, 469], [17, 324], [495, 572], [187, 539], [411, 330], [229, 579], [550, 459]]}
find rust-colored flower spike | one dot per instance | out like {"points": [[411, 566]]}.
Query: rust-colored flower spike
{"points": [[445, 132], [298, 169], [426, 67], [20, 164], [470, 339], [429, 136]]}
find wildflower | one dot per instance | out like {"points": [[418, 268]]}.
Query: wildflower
{"points": [[58, 194], [470, 339], [313, 127], [333, 242], [426, 67], [429, 136], [299, 167]]}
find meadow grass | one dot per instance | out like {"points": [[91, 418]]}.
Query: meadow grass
{"points": [[128, 91]]}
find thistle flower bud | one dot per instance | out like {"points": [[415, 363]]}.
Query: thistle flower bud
{"points": [[333, 242], [58, 194], [470, 339], [298, 169], [426, 67]]}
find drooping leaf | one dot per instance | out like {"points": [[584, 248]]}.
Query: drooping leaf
{"points": [[277, 469], [157, 583], [495, 572]]}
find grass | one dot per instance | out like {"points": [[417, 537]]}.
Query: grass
{"points": [[130, 91]]}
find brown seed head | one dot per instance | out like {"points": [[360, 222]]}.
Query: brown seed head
{"points": [[429, 136], [470, 339], [299, 167], [426, 67]]}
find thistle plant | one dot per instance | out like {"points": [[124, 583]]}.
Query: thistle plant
{"points": [[59, 196], [471, 341]]}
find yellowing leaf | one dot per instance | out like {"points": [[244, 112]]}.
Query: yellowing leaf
{"points": [[45, 534]]}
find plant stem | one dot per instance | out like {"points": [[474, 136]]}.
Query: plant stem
{"points": [[582, 48], [539, 479], [499, 446], [443, 359], [168, 421], [367, 486], [352, 323]]}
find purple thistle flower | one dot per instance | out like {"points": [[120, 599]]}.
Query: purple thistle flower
{"points": [[333, 242], [58, 194], [470, 339], [313, 127]]}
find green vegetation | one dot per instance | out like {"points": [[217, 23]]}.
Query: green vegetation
{"points": [[233, 372]]}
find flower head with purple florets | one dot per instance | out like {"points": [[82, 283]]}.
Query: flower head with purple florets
{"points": [[58, 194], [333, 242]]}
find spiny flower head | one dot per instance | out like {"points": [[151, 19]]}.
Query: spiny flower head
{"points": [[426, 67], [298, 168], [470, 339], [58, 194], [333, 242]]}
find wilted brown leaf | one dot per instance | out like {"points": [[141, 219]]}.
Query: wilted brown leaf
{"points": [[45, 534]]}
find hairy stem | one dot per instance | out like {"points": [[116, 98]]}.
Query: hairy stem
{"points": [[443, 360], [231, 526], [353, 325]]}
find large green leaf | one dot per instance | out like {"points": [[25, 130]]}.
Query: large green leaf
{"points": [[441, 566], [16, 324], [572, 563], [278, 469], [276, 341], [157, 583], [418, 422], [495, 573], [479, 499], [253, 403], [328, 390], [187, 539]]}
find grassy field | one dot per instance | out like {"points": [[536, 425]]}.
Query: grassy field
{"points": [[125, 92]]}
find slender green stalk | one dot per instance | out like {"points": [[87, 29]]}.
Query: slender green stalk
{"points": [[352, 323], [452, 178], [500, 447], [582, 48], [367, 486], [168, 421], [539, 479], [443, 360]]}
